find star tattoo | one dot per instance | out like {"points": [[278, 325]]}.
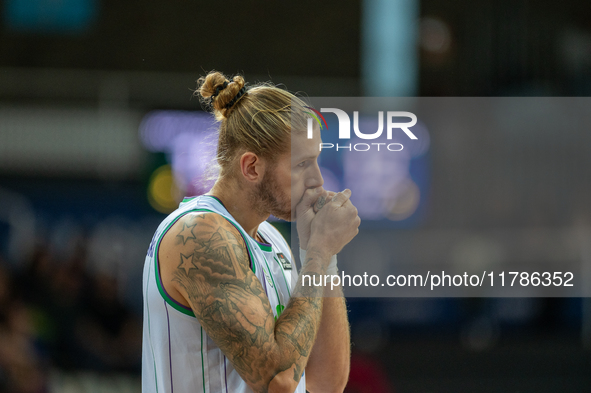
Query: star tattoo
{"points": [[186, 233], [187, 263]]}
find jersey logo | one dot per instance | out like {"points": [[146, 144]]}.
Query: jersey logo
{"points": [[268, 277], [284, 262]]}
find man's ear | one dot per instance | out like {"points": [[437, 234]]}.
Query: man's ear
{"points": [[252, 167]]}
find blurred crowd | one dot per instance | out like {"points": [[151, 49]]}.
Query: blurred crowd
{"points": [[57, 314]]}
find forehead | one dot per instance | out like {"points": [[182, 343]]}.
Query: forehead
{"points": [[302, 147]]}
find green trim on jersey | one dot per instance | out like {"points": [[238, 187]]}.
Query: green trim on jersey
{"points": [[265, 247], [163, 293], [202, 365], [284, 278], [150, 337]]}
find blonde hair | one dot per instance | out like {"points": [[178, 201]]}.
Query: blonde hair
{"points": [[259, 121]]}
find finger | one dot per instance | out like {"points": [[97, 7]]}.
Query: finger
{"points": [[350, 206], [321, 201], [330, 195], [310, 196], [342, 197]]}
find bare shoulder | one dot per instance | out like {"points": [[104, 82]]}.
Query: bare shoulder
{"points": [[200, 251], [198, 230]]}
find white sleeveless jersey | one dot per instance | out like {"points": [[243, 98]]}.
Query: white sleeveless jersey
{"points": [[177, 355]]}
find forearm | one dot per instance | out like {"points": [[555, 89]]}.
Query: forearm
{"points": [[328, 366], [297, 327], [322, 231]]}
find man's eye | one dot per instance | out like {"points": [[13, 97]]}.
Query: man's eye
{"points": [[301, 164]]}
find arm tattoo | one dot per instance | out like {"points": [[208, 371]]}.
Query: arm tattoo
{"points": [[231, 305], [186, 233]]}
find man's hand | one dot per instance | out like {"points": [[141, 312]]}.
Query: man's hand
{"points": [[336, 224], [306, 210]]}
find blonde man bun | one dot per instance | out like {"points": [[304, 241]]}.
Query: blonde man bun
{"points": [[260, 120], [226, 89]]}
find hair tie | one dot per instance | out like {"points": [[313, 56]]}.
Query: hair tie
{"points": [[240, 94], [219, 88]]}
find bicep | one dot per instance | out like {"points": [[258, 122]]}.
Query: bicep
{"points": [[227, 298]]}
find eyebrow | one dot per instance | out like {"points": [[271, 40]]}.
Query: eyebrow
{"points": [[309, 157], [306, 158]]}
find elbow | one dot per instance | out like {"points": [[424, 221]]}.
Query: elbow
{"points": [[343, 380], [336, 382], [282, 383], [335, 387], [341, 385]]}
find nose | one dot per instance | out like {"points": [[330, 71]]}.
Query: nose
{"points": [[315, 179]]}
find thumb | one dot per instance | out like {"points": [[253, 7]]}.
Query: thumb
{"points": [[340, 198]]}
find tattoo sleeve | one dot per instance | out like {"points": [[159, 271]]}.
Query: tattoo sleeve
{"points": [[214, 276]]}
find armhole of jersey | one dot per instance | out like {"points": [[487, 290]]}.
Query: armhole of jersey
{"points": [[284, 239], [294, 268], [293, 260], [167, 298], [280, 237]]}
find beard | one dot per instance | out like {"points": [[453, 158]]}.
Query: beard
{"points": [[270, 198]]}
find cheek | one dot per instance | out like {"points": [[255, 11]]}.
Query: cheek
{"points": [[297, 188]]}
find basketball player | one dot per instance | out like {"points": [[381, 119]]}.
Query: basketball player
{"points": [[221, 311]]}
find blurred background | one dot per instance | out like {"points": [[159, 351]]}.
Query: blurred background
{"points": [[100, 137]]}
